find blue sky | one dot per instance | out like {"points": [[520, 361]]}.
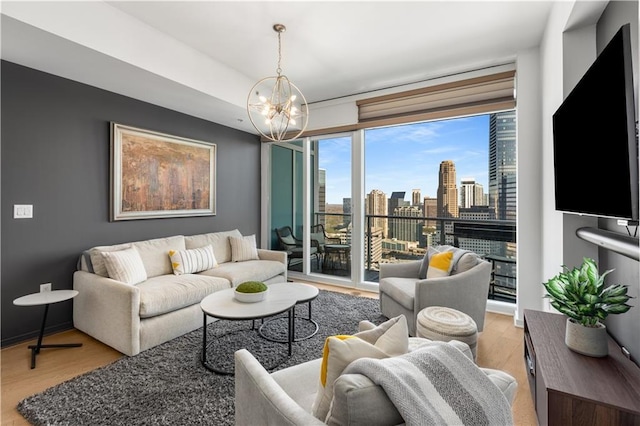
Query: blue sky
{"points": [[403, 158]]}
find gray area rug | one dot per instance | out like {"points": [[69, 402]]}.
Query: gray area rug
{"points": [[168, 385]]}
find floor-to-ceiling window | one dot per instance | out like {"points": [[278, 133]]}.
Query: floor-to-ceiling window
{"points": [[430, 166], [425, 181]]}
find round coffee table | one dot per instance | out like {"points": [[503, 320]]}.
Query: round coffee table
{"points": [[303, 293], [223, 305]]}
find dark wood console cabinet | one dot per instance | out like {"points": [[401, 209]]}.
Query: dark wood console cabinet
{"points": [[572, 389]]}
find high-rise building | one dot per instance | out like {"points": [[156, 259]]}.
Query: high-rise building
{"points": [[322, 195], [373, 249], [471, 193], [502, 164], [447, 190], [407, 229], [430, 209], [396, 200], [415, 197], [346, 210], [502, 173], [476, 245], [376, 205]]}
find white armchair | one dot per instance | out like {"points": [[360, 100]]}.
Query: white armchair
{"points": [[402, 292]]}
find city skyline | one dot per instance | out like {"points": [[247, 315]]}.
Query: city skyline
{"points": [[389, 168]]}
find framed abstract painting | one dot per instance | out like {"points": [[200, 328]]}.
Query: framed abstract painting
{"points": [[156, 175]]}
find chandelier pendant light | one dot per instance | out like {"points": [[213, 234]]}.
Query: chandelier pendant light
{"points": [[277, 108]]}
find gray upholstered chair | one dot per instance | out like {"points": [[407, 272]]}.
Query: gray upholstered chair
{"points": [[403, 292], [293, 245]]}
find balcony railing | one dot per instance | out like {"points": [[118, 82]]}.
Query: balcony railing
{"points": [[392, 239]]}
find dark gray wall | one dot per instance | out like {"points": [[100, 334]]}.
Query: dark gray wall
{"points": [[55, 155]]}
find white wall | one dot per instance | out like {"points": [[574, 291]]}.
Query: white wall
{"points": [[529, 155]]}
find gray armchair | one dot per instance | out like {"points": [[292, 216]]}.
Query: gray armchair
{"points": [[293, 246], [466, 289]]}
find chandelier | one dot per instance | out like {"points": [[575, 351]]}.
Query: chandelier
{"points": [[277, 108]]}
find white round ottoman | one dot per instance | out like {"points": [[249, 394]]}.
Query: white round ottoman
{"points": [[445, 324]]}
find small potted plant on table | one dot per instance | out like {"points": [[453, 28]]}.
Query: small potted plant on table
{"points": [[251, 291], [581, 295]]}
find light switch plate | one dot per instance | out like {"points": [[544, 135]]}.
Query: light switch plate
{"points": [[45, 287], [23, 211]]}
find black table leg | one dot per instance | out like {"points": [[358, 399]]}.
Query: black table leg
{"points": [[35, 349], [291, 326], [204, 341]]}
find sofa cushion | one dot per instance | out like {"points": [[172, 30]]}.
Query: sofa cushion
{"points": [[192, 261], [125, 266], [389, 339], [251, 270], [402, 290], [154, 254], [167, 293], [243, 248], [218, 240], [357, 400], [97, 261]]}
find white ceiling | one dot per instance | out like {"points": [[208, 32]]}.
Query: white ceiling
{"points": [[202, 57]]}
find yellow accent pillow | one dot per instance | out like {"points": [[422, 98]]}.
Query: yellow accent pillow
{"points": [[440, 265], [388, 339]]}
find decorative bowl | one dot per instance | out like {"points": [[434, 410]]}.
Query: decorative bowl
{"points": [[250, 297]]}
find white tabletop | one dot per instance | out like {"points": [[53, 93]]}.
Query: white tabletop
{"points": [[45, 297], [223, 305], [299, 291]]}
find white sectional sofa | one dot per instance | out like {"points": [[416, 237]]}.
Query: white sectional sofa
{"points": [[135, 316]]}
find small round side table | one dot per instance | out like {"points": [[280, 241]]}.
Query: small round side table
{"points": [[46, 298]]}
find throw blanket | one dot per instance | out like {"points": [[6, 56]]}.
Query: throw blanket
{"points": [[437, 385]]}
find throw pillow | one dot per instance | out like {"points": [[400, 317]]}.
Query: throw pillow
{"points": [[288, 240], [125, 266], [424, 266], [243, 248], [388, 339], [392, 335], [97, 261], [192, 261], [440, 265], [466, 262]]}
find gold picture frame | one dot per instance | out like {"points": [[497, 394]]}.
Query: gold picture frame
{"points": [[156, 175]]}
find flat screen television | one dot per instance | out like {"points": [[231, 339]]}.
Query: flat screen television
{"points": [[595, 145]]}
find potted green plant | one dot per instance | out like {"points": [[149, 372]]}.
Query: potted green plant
{"points": [[251, 291], [581, 295]]}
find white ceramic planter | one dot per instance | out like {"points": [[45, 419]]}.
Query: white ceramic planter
{"points": [[250, 297], [590, 341]]}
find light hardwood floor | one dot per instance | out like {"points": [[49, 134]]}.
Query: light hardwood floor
{"points": [[500, 346]]}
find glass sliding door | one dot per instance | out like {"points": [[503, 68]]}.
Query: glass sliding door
{"points": [[331, 220], [286, 208], [310, 209]]}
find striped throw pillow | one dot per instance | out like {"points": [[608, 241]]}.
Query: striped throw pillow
{"points": [[125, 266], [243, 248], [193, 260]]}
